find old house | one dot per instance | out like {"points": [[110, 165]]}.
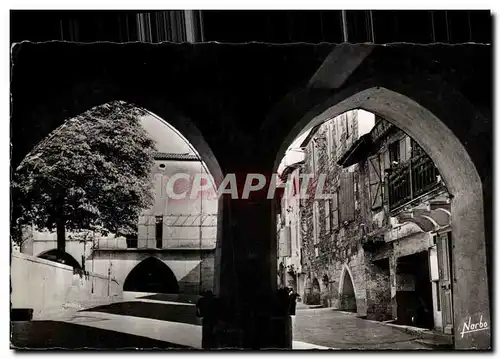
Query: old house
{"points": [[332, 228], [406, 234]]}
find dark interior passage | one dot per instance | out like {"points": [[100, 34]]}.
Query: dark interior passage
{"points": [[347, 297], [152, 276], [414, 291]]}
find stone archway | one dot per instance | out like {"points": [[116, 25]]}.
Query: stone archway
{"points": [[60, 257], [151, 276], [458, 170], [347, 293], [315, 297], [430, 66]]}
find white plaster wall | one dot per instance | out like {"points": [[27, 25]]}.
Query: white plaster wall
{"points": [[47, 286]]}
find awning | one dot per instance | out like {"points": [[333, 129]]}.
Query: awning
{"points": [[427, 220], [358, 151]]}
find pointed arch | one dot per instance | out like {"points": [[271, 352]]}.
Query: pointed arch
{"points": [[347, 290], [55, 255], [151, 276]]}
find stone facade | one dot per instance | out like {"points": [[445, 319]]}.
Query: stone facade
{"points": [[332, 228], [187, 243], [361, 246]]}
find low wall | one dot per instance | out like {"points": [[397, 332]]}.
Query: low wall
{"points": [[48, 287]]}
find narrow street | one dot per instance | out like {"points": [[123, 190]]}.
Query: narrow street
{"points": [[340, 330], [169, 322]]}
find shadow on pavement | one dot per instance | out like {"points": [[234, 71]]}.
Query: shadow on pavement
{"points": [[181, 298], [47, 334], [168, 312]]}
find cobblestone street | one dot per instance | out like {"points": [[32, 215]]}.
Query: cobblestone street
{"points": [[340, 330]]}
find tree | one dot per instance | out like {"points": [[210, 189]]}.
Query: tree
{"points": [[90, 174]]}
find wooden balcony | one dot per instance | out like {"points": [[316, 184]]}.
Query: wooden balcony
{"points": [[411, 180]]}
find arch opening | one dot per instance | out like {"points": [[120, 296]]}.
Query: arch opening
{"points": [[463, 194], [166, 221], [315, 295], [151, 276], [55, 255], [347, 295]]}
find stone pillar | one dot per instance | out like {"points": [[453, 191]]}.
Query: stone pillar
{"points": [[246, 273], [470, 279], [378, 289], [393, 264]]}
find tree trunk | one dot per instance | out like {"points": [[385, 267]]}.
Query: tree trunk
{"points": [[60, 225], [61, 235]]}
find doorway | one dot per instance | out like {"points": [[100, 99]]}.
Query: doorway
{"points": [[414, 291]]}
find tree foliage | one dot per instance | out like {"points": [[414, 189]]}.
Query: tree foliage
{"points": [[91, 174]]}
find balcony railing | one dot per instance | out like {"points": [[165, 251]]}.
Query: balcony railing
{"points": [[413, 179]]}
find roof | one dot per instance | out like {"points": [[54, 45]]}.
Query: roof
{"points": [[175, 156], [368, 143], [310, 135], [359, 149]]}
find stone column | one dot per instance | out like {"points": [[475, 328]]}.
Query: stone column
{"points": [[393, 264], [246, 272], [470, 278], [378, 290]]}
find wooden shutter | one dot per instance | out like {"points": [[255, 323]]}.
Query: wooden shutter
{"points": [[315, 222], [327, 216], [334, 209], [375, 181], [445, 280], [285, 242], [346, 200], [405, 148], [386, 164]]}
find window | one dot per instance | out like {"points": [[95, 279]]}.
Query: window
{"points": [[159, 231], [438, 296], [131, 242], [394, 152], [416, 150]]}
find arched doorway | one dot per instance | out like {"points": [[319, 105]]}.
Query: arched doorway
{"points": [[316, 293], [60, 257], [347, 293], [151, 276]]}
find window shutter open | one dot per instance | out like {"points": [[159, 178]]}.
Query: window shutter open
{"points": [[315, 222], [327, 216], [334, 209], [346, 200], [375, 181]]}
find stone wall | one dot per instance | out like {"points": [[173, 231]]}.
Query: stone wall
{"points": [[188, 266], [338, 247], [48, 287]]}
